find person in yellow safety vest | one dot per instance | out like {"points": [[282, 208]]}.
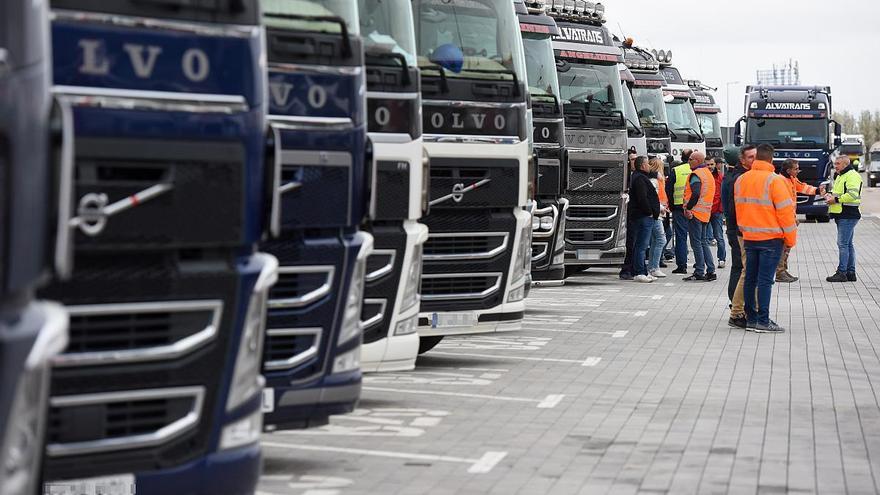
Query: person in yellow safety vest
{"points": [[676, 184], [844, 201], [699, 195]]}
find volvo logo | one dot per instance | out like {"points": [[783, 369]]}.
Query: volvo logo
{"points": [[458, 192], [94, 210], [591, 181]]}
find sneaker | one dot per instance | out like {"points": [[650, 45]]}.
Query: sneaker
{"points": [[721, 263], [663, 264], [771, 327], [737, 322], [668, 256], [711, 277], [643, 279], [750, 325], [626, 276], [713, 242], [786, 278], [658, 274], [695, 278], [680, 271], [838, 277], [851, 277]]}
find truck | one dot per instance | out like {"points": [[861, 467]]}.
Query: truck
{"points": [[680, 98], [548, 141], [636, 138], [476, 262], [32, 333], [874, 165], [853, 146], [647, 91], [797, 121], [707, 111], [164, 191], [595, 180], [391, 297], [317, 112]]}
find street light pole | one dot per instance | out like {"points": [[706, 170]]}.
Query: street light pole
{"points": [[728, 99]]}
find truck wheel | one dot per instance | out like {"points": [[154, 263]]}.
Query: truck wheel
{"points": [[823, 219], [428, 343]]}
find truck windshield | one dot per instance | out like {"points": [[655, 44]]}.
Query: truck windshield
{"points": [[629, 108], [596, 86], [344, 9], [387, 27], [709, 125], [875, 156], [483, 34], [852, 149], [787, 131], [682, 118], [540, 65], [649, 103]]}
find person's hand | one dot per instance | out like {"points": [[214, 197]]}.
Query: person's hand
{"points": [[688, 214], [830, 199]]}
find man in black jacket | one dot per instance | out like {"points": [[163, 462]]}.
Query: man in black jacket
{"points": [[743, 160], [644, 210]]}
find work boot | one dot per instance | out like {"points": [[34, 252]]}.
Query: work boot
{"points": [[786, 278], [695, 278], [771, 327], [737, 322], [711, 277], [838, 277], [682, 270], [851, 277]]}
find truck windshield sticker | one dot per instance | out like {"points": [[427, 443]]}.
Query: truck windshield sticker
{"points": [[581, 35], [788, 106]]}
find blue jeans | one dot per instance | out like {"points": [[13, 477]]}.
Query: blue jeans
{"points": [[762, 257], [643, 228], [845, 229], [703, 262], [717, 223], [658, 241], [680, 225]]}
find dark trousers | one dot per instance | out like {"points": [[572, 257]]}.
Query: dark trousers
{"points": [[644, 227], [762, 257], [736, 265], [699, 232], [667, 229], [680, 226], [627, 267]]}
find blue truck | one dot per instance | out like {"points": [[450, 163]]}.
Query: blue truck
{"points": [[164, 139], [400, 167], [31, 333], [477, 258], [548, 141], [797, 121], [317, 111]]}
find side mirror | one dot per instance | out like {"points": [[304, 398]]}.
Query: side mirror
{"points": [[838, 130], [837, 142], [737, 132]]}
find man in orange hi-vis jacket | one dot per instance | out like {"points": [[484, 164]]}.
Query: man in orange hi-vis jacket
{"points": [[790, 169], [699, 194], [765, 213]]}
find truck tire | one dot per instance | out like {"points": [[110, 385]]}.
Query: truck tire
{"points": [[428, 343]]}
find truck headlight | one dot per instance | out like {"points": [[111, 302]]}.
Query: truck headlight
{"points": [[347, 361], [522, 259], [351, 318], [246, 379], [244, 431], [517, 294], [407, 326], [413, 276]]}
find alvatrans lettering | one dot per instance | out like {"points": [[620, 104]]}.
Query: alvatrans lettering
{"points": [[787, 106], [581, 35], [194, 63]]}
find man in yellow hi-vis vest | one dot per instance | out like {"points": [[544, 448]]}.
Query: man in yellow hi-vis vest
{"points": [[676, 184], [844, 201]]}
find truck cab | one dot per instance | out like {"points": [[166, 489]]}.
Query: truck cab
{"points": [[317, 112], [680, 98], [394, 125], [595, 136], [164, 191], [32, 333], [853, 146], [797, 121], [548, 140], [636, 137], [474, 100], [707, 111], [647, 91], [874, 165]]}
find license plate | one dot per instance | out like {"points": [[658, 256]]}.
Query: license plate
{"points": [[122, 484], [588, 255], [447, 320], [268, 400]]}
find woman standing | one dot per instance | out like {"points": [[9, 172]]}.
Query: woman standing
{"points": [[658, 234]]}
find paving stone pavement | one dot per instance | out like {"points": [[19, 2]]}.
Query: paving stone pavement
{"points": [[659, 395]]}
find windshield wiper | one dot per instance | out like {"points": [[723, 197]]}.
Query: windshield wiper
{"points": [[398, 57], [332, 19], [444, 83], [690, 131]]}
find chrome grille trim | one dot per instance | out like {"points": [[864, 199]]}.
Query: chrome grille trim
{"points": [[387, 268], [311, 296], [468, 256], [472, 295], [296, 359]]}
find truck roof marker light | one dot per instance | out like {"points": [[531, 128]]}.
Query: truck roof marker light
{"points": [[599, 11], [753, 105], [568, 7], [558, 6], [822, 106]]}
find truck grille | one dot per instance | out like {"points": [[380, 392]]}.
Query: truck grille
{"points": [[465, 245], [591, 213], [460, 286], [300, 286], [287, 348], [588, 236]]}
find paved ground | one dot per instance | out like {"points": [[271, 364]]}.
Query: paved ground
{"points": [[614, 387]]}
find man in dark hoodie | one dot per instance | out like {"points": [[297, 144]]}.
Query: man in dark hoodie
{"points": [[741, 161], [644, 208]]}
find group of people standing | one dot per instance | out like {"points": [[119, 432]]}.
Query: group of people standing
{"points": [[757, 202]]}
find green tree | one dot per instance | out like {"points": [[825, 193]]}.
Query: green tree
{"points": [[847, 121]]}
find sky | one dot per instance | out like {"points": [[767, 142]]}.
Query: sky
{"points": [[836, 42]]}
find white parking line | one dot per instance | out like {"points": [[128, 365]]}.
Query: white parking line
{"points": [[482, 465], [590, 361], [548, 402], [635, 314], [619, 334]]}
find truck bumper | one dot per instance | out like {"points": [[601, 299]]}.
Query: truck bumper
{"points": [[232, 472], [306, 407]]}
